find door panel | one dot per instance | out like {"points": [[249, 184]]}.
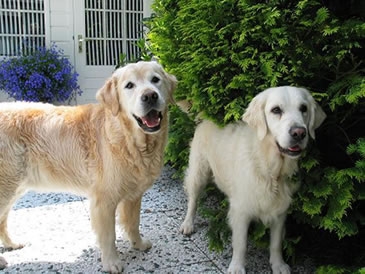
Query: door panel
{"points": [[104, 29]]}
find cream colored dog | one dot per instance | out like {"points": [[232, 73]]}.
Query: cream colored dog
{"points": [[111, 152], [252, 162]]}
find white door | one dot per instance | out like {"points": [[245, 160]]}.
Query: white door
{"points": [[103, 30]]}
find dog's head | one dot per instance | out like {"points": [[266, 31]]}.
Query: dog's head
{"points": [[288, 114], [142, 90]]}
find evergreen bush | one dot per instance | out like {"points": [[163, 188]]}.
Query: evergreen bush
{"points": [[225, 52]]}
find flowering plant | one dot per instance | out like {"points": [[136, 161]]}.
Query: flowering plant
{"points": [[42, 75]]}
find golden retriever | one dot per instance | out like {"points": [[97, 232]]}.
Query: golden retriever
{"points": [[252, 162], [111, 152]]}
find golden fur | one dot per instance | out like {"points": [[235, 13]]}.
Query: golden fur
{"points": [[111, 152]]}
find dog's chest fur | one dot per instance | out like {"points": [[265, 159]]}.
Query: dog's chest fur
{"points": [[145, 164], [269, 183], [142, 152], [258, 179], [273, 198]]}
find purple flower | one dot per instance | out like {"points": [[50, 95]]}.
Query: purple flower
{"points": [[41, 75]]}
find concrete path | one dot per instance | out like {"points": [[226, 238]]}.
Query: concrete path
{"points": [[56, 231]]}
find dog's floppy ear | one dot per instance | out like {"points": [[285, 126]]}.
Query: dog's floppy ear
{"points": [[108, 95], [317, 116], [172, 84], [255, 115], [170, 80]]}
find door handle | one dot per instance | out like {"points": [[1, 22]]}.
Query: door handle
{"points": [[80, 41]]}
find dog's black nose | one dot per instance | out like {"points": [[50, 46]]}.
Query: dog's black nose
{"points": [[298, 133], [149, 97]]}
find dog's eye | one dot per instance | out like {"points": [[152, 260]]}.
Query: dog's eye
{"points": [[277, 110], [303, 108], [129, 85], [155, 79]]}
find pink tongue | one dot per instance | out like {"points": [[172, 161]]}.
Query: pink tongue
{"points": [[152, 119], [294, 148]]}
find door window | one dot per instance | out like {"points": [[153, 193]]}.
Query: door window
{"points": [[112, 27], [21, 26]]}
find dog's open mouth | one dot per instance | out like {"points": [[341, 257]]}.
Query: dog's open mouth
{"points": [[151, 122], [293, 151]]}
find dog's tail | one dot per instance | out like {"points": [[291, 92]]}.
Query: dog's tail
{"points": [[185, 106]]}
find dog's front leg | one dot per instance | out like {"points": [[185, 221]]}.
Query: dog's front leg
{"points": [[9, 195], [239, 225], [4, 236], [103, 222], [129, 216], [276, 237]]}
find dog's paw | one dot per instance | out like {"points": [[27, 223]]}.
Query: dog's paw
{"points": [[282, 268], [142, 245], [13, 246], [3, 263], [112, 266], [235, 268], [187, 227]]}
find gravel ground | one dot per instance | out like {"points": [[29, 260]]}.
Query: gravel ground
{"points": [[56, 231]]}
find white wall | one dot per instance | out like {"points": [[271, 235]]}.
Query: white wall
{"points": [[3, 97], [61, 26]]}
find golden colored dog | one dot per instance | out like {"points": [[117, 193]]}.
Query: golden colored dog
{"points": [[111, 152]]}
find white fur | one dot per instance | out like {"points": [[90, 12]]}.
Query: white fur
{"points": [[247, 165]]}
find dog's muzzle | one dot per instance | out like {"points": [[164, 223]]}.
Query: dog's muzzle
{"points": [[297, 134], [293, 151], [151, 122]]}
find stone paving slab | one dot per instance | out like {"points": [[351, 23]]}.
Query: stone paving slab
{"points": [[56, 231]]}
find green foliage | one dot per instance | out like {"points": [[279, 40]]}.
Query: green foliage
{"points": [[214, 206], [225, 52], [338, 270], [182, 131], [332, 198], [144, 54], [330, 269]]}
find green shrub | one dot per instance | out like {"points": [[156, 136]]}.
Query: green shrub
{"points": [[225, 52]]}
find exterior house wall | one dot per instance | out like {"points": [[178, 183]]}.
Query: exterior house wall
{"points": [[60, 18], [63, 22]]}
